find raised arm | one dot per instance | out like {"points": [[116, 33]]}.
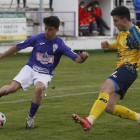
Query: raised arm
{"points": [[81, 57], [12, 50]]}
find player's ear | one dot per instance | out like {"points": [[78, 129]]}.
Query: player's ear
{"points": [[57, 29], [125, 20]]}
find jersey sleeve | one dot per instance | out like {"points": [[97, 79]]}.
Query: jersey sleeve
{"points": [[68, 52], [27, 43], [113, 46]]}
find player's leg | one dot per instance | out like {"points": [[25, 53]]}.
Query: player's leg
{"points": [[38, 93], [20, 81], [98, 107], [5, 90], [36, 101], [41, 83], [124, 79], [37, 98], [113, 99], [118, 110], [101, 103]]}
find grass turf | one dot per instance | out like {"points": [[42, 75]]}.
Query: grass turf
{"points": [[73, 89]]}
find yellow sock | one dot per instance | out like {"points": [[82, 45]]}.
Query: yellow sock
{"points": [[99, 105], [125, 113], [92, 117]]}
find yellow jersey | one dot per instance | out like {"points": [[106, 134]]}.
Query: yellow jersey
{"points": [[128, 46]]}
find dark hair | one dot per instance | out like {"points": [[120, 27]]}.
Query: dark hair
{"points": [[121, 12], [96, 2], [82, 2], [52, 21]]}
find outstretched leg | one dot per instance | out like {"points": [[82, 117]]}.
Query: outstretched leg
{"points": [[110, 94], [5, 90], [118, 110], [98, 107]]}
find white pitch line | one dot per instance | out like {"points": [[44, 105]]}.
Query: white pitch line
{"points": [[49, 97], [57, 96]]}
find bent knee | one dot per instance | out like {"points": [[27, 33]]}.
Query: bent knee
{"points": [[40, 88], [102, 89]]}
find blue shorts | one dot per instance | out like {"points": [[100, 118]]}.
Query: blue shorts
{"points": [[123, 78]]}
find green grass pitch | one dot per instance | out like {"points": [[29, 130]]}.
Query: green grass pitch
{"points": [[73, 89]]}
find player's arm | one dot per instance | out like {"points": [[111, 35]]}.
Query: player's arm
{"points": [[81, 57], [105, 44], [12, 50]]}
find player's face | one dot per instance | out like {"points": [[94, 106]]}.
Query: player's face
{"points": [[119, 23], [50, 32]]}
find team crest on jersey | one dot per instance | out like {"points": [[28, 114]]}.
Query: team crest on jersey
{"points": [[124, 42], [55, 46], [45, 58]]}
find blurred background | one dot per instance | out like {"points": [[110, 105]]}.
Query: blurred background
{"points": [[20, 19]]}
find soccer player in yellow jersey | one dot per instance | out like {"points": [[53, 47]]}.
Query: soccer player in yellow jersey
{"points": [[126, 72]]}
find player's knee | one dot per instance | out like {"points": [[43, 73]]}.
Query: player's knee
{"points": [[102, 89], [40, 88]]}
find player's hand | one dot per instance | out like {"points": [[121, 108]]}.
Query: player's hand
{"points": [[104, 44], [83, 55]]}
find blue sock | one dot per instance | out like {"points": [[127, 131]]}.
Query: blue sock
{"points": [[0, 95], [33, 109]]}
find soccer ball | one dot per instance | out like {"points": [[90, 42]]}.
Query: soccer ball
{"points": [[2, 120]]}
